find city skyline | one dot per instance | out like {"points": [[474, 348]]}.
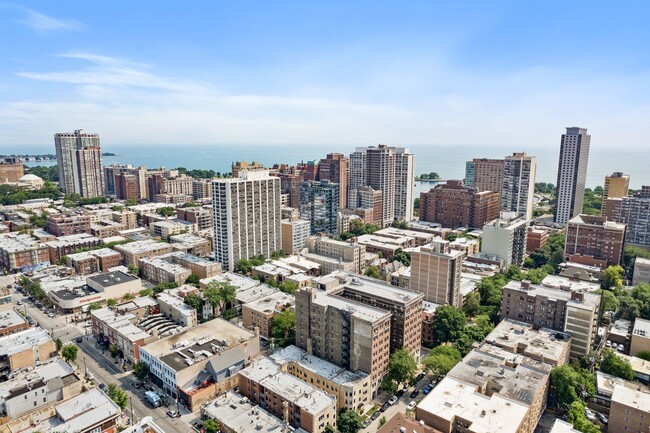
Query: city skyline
{"points": [[226, 73]]}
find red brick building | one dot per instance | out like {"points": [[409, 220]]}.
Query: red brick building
{"points": [[66, 225], [595, 241], [536, 239]]}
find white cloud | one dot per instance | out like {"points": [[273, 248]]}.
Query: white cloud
{"points": [[42, 23]]}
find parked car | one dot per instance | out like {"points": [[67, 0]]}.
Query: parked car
{"points": [[411, 405], [384, 407], [173, 413], [19, 302], [621, 348], [152, 398], [608, 343], [50, 315], [590, 415], [90, 376], [375, 415], [414, 393], [420, 376], [392, 400], [602, 418], [103, 387], [427, 390], [366, 422], [400, 393]]}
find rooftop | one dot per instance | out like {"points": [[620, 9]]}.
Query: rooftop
{"points": [[160, 263], [238, 414], [355, 309], [563, 427], [82, 412], [631, 398], [518, 337], [145, 425], [621, 327], [329, 371], [52, 368], [142, 246], [23, 340], [112, 278], [13, 243], [400, 421], [307, 397], [597, 220], [173, 223], [360, 283], [191, 258], [201, 338], [453, 398], [10, 318], [565, 283], [641, 328], [177, 303], [63, 241], [590, 299], [275, 302]]}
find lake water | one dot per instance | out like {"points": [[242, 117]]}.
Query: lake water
{"points": [[448, 161]]}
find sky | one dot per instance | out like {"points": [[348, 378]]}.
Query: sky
{"points": [[299, 73]]}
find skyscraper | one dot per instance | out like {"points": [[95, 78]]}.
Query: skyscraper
{"points": [[484, 174], [246, 217], [319, 203], [335, 168], [616, 185], [390, 170], [519, 172], [79, 158], [435, 272], [572, 173]]}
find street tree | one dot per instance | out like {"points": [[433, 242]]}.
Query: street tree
{"points": [[616, 366], [402, 367], [576, 416], [69, 352], [140, 370], [568, 383], [441, 360], [118, 395], [349, 421]]}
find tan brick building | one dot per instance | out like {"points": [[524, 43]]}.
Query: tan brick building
{"points": [[134, 251], [259, 314], [630, 411]]}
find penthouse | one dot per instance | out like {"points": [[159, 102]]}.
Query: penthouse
{"points": [[134, 251], [308, 407]]}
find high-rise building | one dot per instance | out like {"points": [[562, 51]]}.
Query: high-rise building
{"points": [[485, 174], [634, 211], [335, 168], [140, 173], [247, 217], [519, 172], [126, 186], [505, 238], [616, 185], [435, 272], [390, 170], [79, 159], [571, 174], [594, 241], [294, 233], [319, 203], [453, 205], [367, 202]]}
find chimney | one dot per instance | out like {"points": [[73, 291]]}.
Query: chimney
{"points": [[578, 295]]}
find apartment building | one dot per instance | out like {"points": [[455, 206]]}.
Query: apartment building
{"points": [[247, 217], [595, 241], [536, 239], [519, 173], [126, 218], [319, 203], [174, 308], [158, 270], [485, 174], [201, 189], [91, 262], [454, 205], [293, 235], [64, 245], [66, 225], [335, 255], [121, 330], [79, 159], [203, 216], [167, 228], [301, 404], [571, 174], [25, 349], [126, 186], [572, 311], [367, 203], [134, 251], [335, 168], [435, 272], [390, 170], [505, 238], [199, 266], [634, 212], [641, 271], [22, 253], [617, 185], [640, 340], [11, 170], [630, 411], [260, 313]]}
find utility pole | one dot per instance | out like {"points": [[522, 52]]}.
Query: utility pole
{"points": [[131, 404], [85, 368]]}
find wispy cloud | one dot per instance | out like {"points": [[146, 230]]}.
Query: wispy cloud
{"points": [[42, 23]]}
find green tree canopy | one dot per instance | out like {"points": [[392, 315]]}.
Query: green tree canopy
{"points": [[211, 426], [193, 279], [448, 324], [118, 395], [141, 370], [402, 367], [94, 306], [616, 366], [283, 327], [567, 383], [373, 272], [69, 352], [576, 416], [441, 360], [349, 421], [166, 211], [288, 287], [613, 278]]}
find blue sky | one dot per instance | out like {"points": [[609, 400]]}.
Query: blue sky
{"points": [[453, 73]]}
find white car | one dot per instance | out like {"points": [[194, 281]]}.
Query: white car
{"points": [[608, 344], [411, 406], [392, 400], [90, 376], [590, 415]]}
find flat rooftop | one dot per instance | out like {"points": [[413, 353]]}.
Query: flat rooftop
{"points": [[621, 327], [81, 412], [517, 337], [173, 223], [557, 282], [190, 258], [329, 371], [139, 247], [631, 398], [563, 427], [167, 266], [10, 318], [641, 328], [275, 302], [371, 286], [238, 414], [228, 335], [17, 243], [112, 278], [63, 241], [177, 303], [453, 398], [309, 398], [590, 299], [356, 309], [23, 340], [403, 233], [399, 421], [102, 252], [51, 368]]}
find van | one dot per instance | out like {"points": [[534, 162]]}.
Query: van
{"points": [[152, 398]]}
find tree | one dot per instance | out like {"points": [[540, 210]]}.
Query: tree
{"points": [[288, 287], [472, 304], [166, 211], [128, 296], [133, 269], [349, 421], [283, 327], [448, 324], [165, 285], [114, 350], [382, 420], [94, 306], [193, 279], [609, 301], [59, 344], [613, 278], [118, 395], [578, 418], [568, 383], [402, 257], [69, 352], [146, 292], [194, 301], [441, 360], [131, 202], [329, 429], [616, 366], [244, 266], [140, 370], [629, 256], [111, 302], [402, 367], [211, 426], [373, 272]]}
